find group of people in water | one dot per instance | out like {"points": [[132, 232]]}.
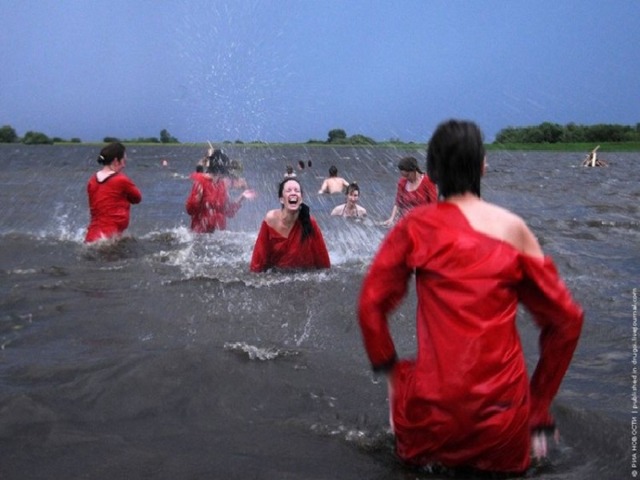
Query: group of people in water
{"points": [[466, 401]]}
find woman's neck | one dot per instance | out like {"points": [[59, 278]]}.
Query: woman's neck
{"points": [[463, 198]]}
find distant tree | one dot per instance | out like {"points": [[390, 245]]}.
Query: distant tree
{"points": [[551, 132], [337, 135], [165, 137], [75, 140], [36, 138], [361, 140], [110, 139], [8, 134]]}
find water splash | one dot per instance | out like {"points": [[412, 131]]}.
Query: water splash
{"points": [[258, 353]]}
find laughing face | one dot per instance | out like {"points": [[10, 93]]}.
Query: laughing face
{"points": [[291, 195]]}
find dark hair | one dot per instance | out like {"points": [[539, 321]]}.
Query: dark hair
{"points": [[301, 164], [113, 151], [409, 164], [216, 168], [199, 168], [455, 155], [333, 171], [304, 214], [353, 187]]}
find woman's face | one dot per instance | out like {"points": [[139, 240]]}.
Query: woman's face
{"points": [[409, 175], [291, 198], [353, 196]]}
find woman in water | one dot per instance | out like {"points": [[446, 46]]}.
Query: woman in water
{"points": [[289, 238], [351, 207], [111, 194], [208, 203], [414, 188], [466, 400]]}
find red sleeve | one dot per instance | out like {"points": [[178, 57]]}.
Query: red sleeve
{"points": [[195, 198], [321, 255], [260, 257], [560, 320], [384, 286], [131, 191]]}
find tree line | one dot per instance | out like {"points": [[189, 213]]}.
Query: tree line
{"points": [[8, 134], [548, 132]]}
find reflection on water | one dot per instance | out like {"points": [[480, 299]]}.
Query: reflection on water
{"points": [[160, 355]]}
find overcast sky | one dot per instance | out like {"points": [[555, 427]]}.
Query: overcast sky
{"points": [[290, 71]]}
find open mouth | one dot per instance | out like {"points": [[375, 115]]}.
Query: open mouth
{"points": [[293, 199]]}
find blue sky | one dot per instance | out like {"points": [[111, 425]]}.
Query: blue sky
{"points": [[290, 71]]}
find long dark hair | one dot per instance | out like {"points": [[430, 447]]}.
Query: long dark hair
{"points": [[304, 214], [455, 156], [113, 151]]}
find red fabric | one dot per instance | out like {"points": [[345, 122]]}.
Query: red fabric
{"points": [[423, 195], [109, 204], [274, 250], [466, 400], [208, 204]]}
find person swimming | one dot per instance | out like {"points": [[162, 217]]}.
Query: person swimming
{"points": [[350, 208]]}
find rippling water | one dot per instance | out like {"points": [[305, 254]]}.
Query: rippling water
{"points": [[161, 356]]}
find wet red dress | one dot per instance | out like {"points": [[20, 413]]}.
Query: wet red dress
{"points": [[466, 400], [274, 250], [208, 204], [425, 193], [109, 204]]}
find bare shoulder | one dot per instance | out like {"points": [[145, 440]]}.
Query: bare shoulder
{"points": [[500, 223], [516, 231], [271, 218]]}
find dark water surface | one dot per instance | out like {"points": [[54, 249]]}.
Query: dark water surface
{"points": [[160, 356]]}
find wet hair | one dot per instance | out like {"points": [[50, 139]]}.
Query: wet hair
{"points": [[304, 214], [353, 187], [217, 169], [110, 153], [333, 171], [199, 168], [289, 169], [409, 164], [455, 155]]}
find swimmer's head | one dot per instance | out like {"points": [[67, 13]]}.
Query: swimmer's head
{"points": [[110, 153], [455, 157]]}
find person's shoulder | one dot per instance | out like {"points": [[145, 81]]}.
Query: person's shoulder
{"points": [[338, 209], [516, 230], [271, 217]]}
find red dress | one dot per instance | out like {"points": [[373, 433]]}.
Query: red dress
{"points": [[274, 250], [466, 399], [423, 195], [109, 204], [208, 204]]}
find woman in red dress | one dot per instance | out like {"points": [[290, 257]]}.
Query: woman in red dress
{"points": [[466, 400], [111, 194], [289, 238], [414, 189], [208, 203]]}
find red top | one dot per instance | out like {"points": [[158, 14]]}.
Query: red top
{"points": [[423, 195], [465, 400], [274, 250], [208, 204], [109, 205]]}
